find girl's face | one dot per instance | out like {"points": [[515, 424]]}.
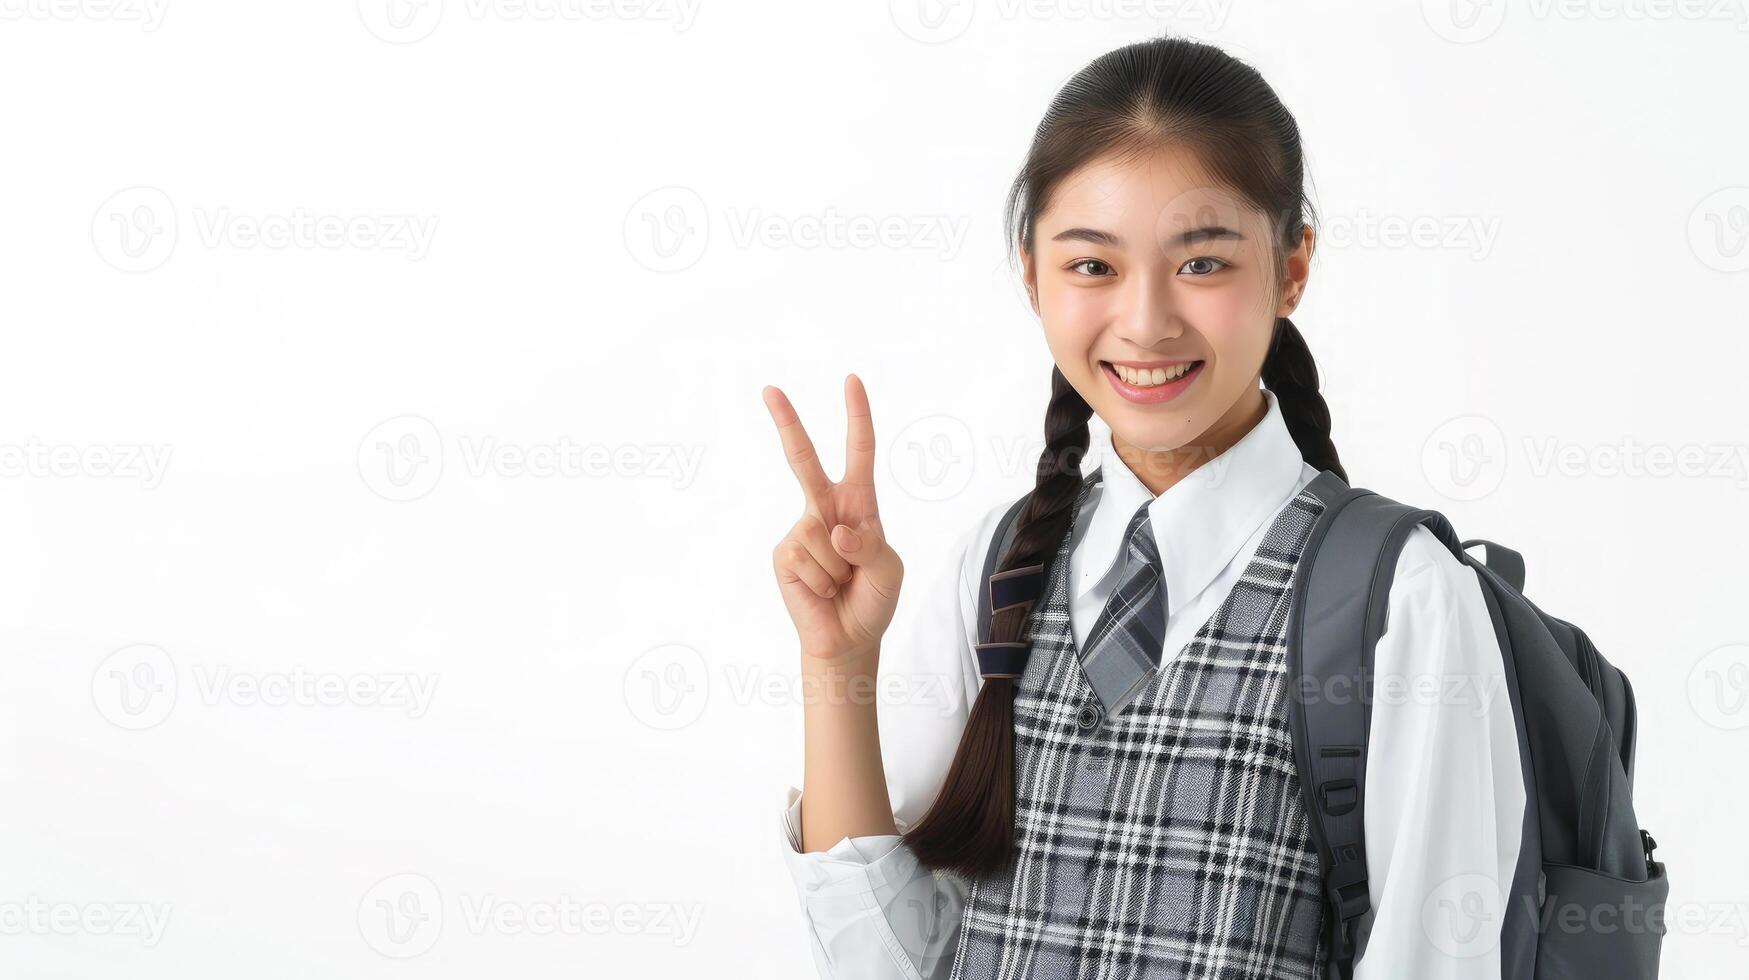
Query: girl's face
{"points": [[1159, 294]]}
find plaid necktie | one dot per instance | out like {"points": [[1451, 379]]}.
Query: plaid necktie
{"points": [[1123, 647]]}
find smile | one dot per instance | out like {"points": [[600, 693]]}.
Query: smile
{"points": [[1151, 382]]}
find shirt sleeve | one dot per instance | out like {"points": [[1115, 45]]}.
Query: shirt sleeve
{"points": [[873, 912], [1445, 793]]}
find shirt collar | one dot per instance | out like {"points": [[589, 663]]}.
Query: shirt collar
{"points": [[1201, 521]]}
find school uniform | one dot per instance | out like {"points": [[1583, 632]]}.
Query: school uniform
{"points": [[1166, 837]]}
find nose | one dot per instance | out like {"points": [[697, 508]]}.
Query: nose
{"points": [[1146, 315]]}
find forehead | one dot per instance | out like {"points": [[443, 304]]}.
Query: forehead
{"points": [[1143, 196]]}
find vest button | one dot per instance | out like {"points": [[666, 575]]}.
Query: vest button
{"points": [[1088, 718]]}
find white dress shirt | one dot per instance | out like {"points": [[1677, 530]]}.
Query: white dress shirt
{"points": [[1445, 794]]}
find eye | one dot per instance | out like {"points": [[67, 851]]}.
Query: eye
{"points": [[1104, 269], [1203, 262]]}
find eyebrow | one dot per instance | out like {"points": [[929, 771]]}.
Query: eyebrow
{"points": [[1183, 238]]}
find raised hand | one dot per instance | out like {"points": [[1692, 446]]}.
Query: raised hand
{"points": [[838, 576]]}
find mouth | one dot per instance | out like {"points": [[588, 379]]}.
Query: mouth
{"points": [[1151, 382]]}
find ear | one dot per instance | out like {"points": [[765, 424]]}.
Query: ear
{"points": [[1029, 278], [1297, 270]]}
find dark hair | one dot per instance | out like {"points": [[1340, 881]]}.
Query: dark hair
{"points": [[1164, 90]]}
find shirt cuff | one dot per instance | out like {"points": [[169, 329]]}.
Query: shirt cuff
{"points": [[872, 906], [853, 866]]}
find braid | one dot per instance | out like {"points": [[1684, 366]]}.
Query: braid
{"points": [[970, 827], [1290, 372]]}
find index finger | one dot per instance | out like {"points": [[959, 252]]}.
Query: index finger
{"points": [[797, 447]]}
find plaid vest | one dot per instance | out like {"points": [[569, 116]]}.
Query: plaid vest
{"points": [[1170, 841]]}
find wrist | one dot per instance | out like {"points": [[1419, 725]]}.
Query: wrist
{"points": [[846, 681]]}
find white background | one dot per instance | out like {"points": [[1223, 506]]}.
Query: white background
{"points": [[234, 459]]}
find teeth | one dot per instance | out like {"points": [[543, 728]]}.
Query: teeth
{"points": [[1157, 376]]}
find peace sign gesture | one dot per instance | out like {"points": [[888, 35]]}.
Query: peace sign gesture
{"points": [[839, 577]]}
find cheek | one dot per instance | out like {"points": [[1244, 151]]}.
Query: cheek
{"points": [[1233, 322], [1073, 319]]}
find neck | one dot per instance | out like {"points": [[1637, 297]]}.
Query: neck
{"points": [[1160, 470]]}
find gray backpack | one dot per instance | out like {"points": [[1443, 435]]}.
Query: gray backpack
{"points": [[1587, 899]]}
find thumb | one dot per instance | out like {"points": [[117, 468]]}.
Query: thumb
{"points": [[866, 547]]}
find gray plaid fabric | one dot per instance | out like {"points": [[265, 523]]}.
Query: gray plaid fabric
{"points": [[1123, 647], [1169, 841]]}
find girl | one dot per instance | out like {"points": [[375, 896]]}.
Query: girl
{"points": [[1112, 790]]}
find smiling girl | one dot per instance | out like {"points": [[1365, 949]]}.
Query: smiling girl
{"points": [[1113, 792]]}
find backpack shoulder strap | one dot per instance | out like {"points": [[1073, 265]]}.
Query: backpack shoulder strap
{"points": [[1016, 588], [999, 542], [1341, 596], [999, 592]]}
